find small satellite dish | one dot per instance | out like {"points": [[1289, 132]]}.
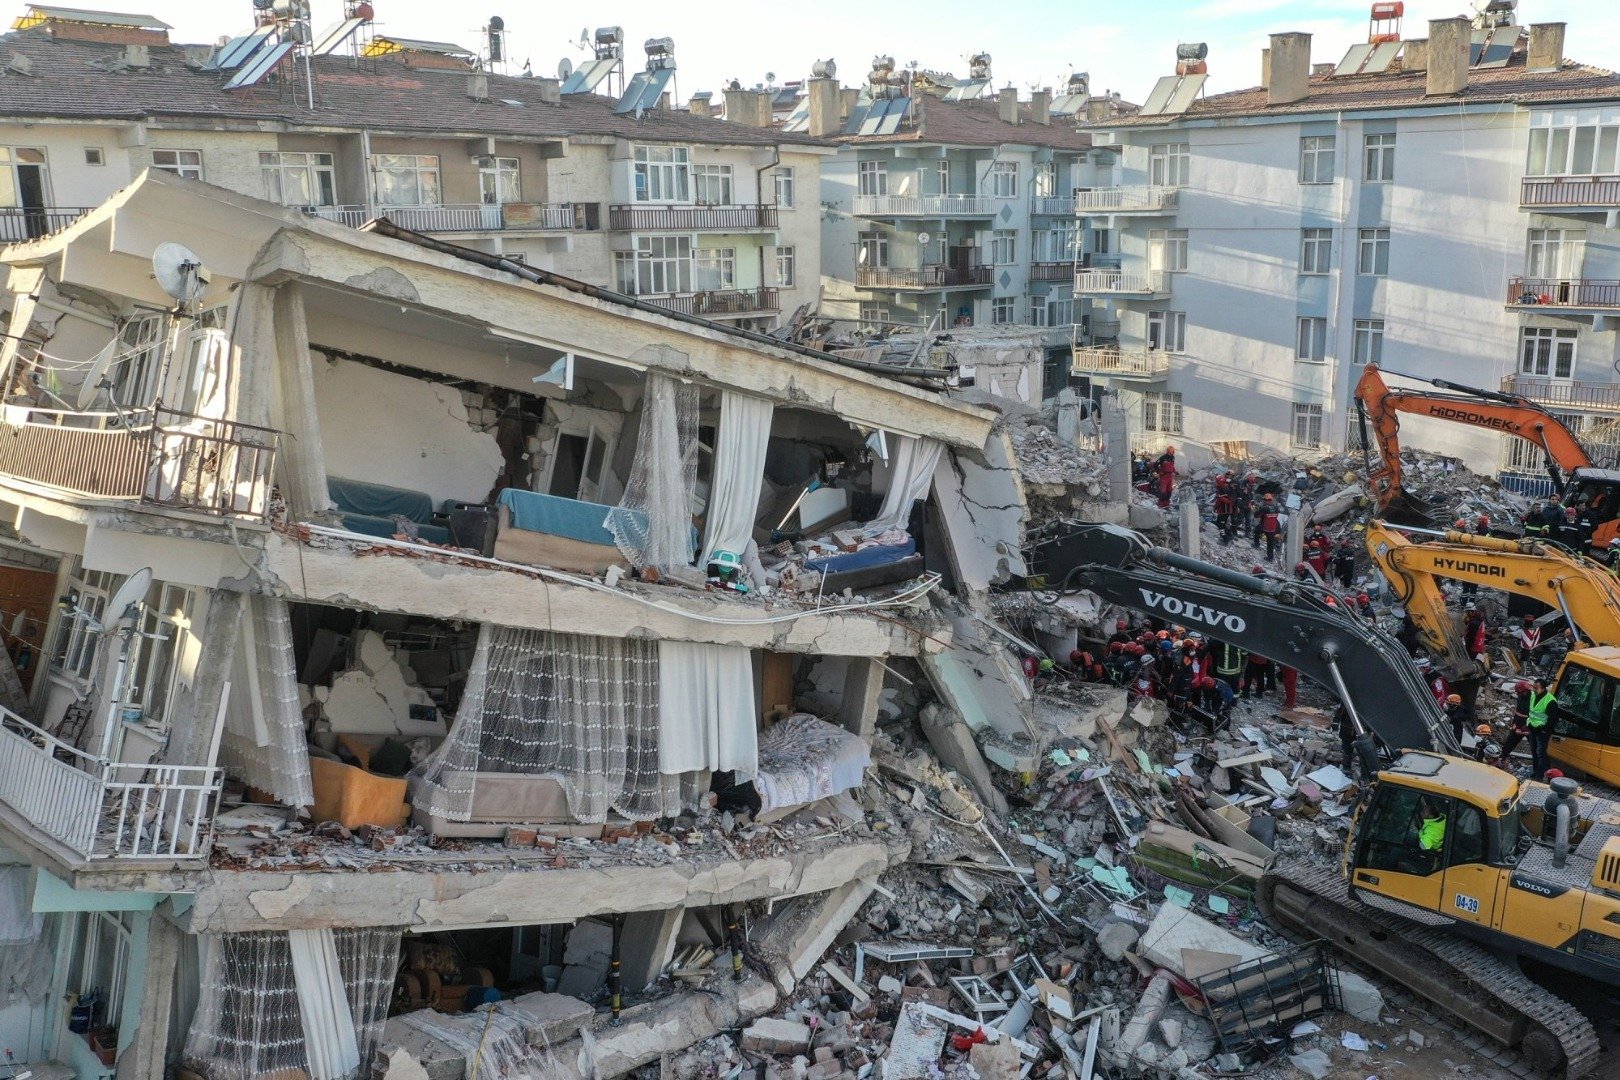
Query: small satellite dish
{"points": [[565, 68], [179, 272], [923, 238], [125, 607], [91, 385]]}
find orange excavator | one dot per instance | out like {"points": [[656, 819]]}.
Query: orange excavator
{"points": [[1573, 474]]}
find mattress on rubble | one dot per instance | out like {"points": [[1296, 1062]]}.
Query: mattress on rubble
{"points": [[503, 800]]}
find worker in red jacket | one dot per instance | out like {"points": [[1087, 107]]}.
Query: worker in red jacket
{"points": [[1165, 469], [1268, 525], [1318, 551]]}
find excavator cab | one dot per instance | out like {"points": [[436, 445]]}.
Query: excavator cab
{"points": [[1597, 493], [1586, 720]]}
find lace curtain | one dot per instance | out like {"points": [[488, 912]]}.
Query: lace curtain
{"points": [[579, 708], [652, 524], [264, 740]]}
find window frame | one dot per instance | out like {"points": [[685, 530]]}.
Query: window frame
{"points": [[661, 174], [1318, 159], [417, 168], [653, 265], [1163, 412], [714, 269], [1043, 180], [318, 176], [507, 176], [1003, 310], [78, 647], [1169, 329], [1550, 342], [787, 268], [1169, 164], [876, 243], [1312, 415], [1372, 252], [1378, 158], [191, 170], [711, 179], [1310, 339], [156, 674], [1003, 247], [1168, 250], [1368, 341], [1315, 252], [784, 189], [1004, 180], [872, 178]]}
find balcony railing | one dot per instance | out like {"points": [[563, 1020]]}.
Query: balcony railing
{"points": [[1120, 283], [922, 277], [1586, 293], [1122, 363], [927, 206], [1600, 192], [101, 809], [352, 216], [720, 302], [624, 217], [180, 460], [1053, 205], [1051, 271], [1126, 200], [489, 217], [1564, 393], [19, 223]]}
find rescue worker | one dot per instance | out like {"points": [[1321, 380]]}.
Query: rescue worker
{"points": [[1568, 531], [1164, 470], [1229, 660], [1475, 636], [1542, 702], [1534, 522], [1484, 743], [1526, 639], [1521, 716], [1344, 563], [1290, 684], [1431, 834], [1458, 714], [1259, 677], [1268, 525], [1347, 740], [1223, 511], [1318, 551], [1242, 506]]}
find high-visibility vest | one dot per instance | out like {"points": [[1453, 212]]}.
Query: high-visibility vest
{"points": [[1432, 834], [1538, 709], [1231, 660]]}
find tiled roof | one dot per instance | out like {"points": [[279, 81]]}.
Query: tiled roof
{"points": [[979, 123], [69, 80], [1403, 89]]}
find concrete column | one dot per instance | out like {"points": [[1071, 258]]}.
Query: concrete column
{"points": [[805, 926], [146, 1047], [253, 350], [1068, 416], [649, 943], [956, 749], [301, 463], [192, 725], [1449, 40], [863, 689], [1294, 545], [24, 286], [1191, 539], [1116, 424]]}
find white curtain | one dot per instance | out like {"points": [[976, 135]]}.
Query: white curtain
{"points": [[26, 956], [706, 708], [323, 1003], [264, 740], [912, 462], [739, 470], [652, 525]]}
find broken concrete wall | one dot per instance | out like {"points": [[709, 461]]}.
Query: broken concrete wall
{"points": [[983, 507]]}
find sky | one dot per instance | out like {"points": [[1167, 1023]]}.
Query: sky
{"points": [[1125, 45]]}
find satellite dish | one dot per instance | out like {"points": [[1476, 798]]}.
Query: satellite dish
{"points": [[923, 238], [497, 23], [565, 68], [98, 372], [125, 606], [179, 272]]}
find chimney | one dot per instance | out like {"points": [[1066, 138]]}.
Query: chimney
{"points": [[847, 98], [1546, 46], [550, 91], [1448, 56], [699, 105], [821, 95], [1007, 104], [1097, 109], [137, 55], [1290, 69], [1040, 106], [1265, 69], [1415, 55], [478, 87], [746, 107]]}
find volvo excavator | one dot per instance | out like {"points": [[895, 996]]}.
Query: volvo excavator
{"points": [[1571, 469], [1586, 726], [1520, 868]]}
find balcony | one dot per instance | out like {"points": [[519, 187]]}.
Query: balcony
{"points": [[1565, 393], [923, 277], [1053, 205], [1147, 364], [1575, 295], [173, 459], [719, 303], [638, 218], [29, 223], [1051, 271], [1138, 199], [1122, 284], [100, 809], [1570, 193], [477, 217], [932, 206]]}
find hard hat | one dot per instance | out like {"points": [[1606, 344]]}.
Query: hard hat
{"points": [[1483, 730], [1332, 601], [1115, 647], [1121, 624], [1257, 569], [1424, 663], [1453, 699], [1482, 520], [1555, 774], [1299, 566], [1166, 645], [1046, 663], [1459, 524], [727, 561], [1188, 643], [1569, 512], [1521, 686], [1363, 598], [1207, 683], [1163, 634], [1170, 451]]}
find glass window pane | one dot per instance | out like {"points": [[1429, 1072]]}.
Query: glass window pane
{"points": [[1585, 145], [1558, 152], [1536, 165]]}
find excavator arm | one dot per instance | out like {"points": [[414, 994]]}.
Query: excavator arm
{"points": [[1381, 406], [1290, 623]]}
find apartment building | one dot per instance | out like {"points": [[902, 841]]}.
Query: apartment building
{"points": [[685, 211], [1437, 205]]}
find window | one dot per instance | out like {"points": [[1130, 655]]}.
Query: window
{"points": [[1392, 831], [1373, 259], [578, 458], [1003, 247], [1521, 455], [94, 155], [1307, 426], [874, 314], [299, 179], [77, 644], [873, 249], [1043, 183], [144, 343], [873, 178], [405, 179], [1466, 835], [1102, 241], [1169, 165], [662, 174], [1555, 253], [715, 269], [1004, 180], [784, 180], [1161, 412], [1316, 159], [712, 184], [1583, 150], [1062, 243], [944, 168], [1167, 331], [1547, 353], [786, 267], [659, 264], [1369, 341], [1378, 159], [1167, 250], [100, 958], [1315, 251], [163, 657], [1051, 310], [1580, 713], [187, 163], [1003, 310], [499, 181], [1311, 347]]}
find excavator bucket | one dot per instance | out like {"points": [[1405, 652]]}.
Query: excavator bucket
{"points": [[1408, 509]]}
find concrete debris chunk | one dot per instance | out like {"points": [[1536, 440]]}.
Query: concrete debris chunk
{"points": [[1313, 1063], [771, 1036]]}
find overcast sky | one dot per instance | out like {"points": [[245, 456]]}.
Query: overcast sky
{"points": [[1125, 45]]}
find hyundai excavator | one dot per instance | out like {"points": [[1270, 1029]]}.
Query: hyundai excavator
{"points": [[1573, 475], [1586, 726], [1519, 868]]}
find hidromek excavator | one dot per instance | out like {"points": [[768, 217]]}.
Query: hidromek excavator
{"points": [[1433, 919]]}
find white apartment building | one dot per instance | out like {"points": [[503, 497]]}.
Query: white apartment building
{"points": [[1442, 206]]}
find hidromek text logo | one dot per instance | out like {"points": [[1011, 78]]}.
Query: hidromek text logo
{"points": [[1467, 416], [1192, 611]]}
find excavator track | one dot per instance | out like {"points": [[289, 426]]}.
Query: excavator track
{"points": [[1480, 989]]}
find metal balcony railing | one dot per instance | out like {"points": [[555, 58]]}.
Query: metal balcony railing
{"points": [[719, 302], [1565, 393], [1051, 271], [352, 216], [19, 223], [1139, 363], [488, 217], [922, 277], [101, 809], [1126, 200], [626, 217], [1120, 283], [173, 459], [1555, 191], [1053, 205], [927, 206], [1587, 293]]}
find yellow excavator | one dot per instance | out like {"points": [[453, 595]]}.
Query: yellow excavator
{"points": [[1586, 726]]}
